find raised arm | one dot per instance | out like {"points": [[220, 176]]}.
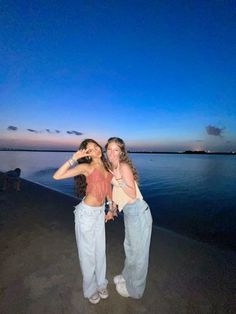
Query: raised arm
{"points": [[68, 169]]}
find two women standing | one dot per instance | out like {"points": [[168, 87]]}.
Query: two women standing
{"points": [[90, 217]]}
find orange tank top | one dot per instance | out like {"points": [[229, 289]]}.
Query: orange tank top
{"points": [[98, 185]]}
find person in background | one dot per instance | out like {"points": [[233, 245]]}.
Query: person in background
{"points": [[137, 220], [12, 177], [88, 164]]}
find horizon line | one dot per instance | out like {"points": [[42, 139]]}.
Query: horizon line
{"points": [[129, 151]]}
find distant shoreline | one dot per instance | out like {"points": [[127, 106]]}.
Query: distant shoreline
{"points": [[130, 152]]}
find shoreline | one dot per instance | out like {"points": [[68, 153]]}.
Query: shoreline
{"points": [[186, 236], [208, 239], [40, 271]]}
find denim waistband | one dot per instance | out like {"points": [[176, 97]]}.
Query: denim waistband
{"points": [[138, 206], [88, 207]]}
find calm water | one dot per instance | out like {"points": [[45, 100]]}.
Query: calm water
{"points": [[194, 195]]}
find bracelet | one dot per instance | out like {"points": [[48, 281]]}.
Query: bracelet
{"points": [[72, 162]]}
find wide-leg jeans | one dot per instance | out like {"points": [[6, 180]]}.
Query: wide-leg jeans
{"points": [[138, 229], [90, 239]]}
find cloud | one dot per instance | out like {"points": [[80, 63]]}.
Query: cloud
{"points": [[74, 132], [199, 141], [33, 131], [52, 132], [212, 130], [12, 128]]}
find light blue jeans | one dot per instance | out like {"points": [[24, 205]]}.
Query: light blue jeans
{"points": [[138, 229], [90, 239]]}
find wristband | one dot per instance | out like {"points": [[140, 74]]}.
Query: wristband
{"points": [[72, 162]]}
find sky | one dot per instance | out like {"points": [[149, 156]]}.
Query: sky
{"points": [[159, 74]]}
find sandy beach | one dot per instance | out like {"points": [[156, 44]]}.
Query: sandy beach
{"points": [[40, 273]]}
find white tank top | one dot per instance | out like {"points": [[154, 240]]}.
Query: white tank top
{"points": [[119, 197]]}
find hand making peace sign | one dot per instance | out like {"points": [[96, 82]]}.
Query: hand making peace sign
{"points": [[80, 154]]}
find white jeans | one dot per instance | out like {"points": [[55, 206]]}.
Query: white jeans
{"points": [[138, 229], [90, 239]]}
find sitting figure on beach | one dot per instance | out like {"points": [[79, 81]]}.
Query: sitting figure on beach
{"points": [[95, 181], [137, 220], [11, 178]]}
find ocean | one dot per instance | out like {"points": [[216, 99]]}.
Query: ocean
{"points": [[194, 195]]}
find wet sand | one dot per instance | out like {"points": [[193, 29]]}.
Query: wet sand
{"points": [[40, 273]]}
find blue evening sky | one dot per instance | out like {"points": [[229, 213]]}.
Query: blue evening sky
{"points": [[159, 74]]}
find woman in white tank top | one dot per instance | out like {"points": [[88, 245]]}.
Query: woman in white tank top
{"points": [[137, 220]]}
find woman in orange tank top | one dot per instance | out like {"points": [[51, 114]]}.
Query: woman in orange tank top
{"points": [[89, 166]]}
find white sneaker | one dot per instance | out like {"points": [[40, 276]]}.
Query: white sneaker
{"points": [[103, 293], [95, 298], [122, 290], [118, 279]]}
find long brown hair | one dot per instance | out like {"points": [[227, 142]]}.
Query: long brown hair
{"points": [[123, 156], [80, 180]]}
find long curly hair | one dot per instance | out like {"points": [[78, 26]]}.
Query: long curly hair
{"points": [[123, 156], [80, 180]]}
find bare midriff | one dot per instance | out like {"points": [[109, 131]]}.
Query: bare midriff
{"points": [[91, 200]]}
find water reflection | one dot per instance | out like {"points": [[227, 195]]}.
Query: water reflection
{"points": [[191, 194]]}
